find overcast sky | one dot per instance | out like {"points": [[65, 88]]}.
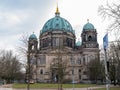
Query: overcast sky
{"points": [[28, 16]]}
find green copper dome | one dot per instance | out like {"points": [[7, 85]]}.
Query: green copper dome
{"points": [[33, 36], [78, 43], [57, 23], [88, 26]]}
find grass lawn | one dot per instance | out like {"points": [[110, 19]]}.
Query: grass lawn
{"points": [[112, 88], [53, 85]]}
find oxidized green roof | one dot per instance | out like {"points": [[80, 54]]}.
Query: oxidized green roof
{"points": [[57, 23], [33, 36], [78, 43], [88, 26]]}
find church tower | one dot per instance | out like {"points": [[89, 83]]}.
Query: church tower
{"points": [[32, 43], [89, 36], [32, 57], [90, 47]]}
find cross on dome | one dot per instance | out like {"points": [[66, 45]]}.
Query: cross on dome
{"points": [[88, 20], [57, 13]]}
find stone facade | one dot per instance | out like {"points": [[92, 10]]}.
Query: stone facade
{"points": [[57, 38]]}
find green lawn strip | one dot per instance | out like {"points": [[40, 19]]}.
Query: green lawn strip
{"points": [[112, 88], [78, 85], [53, 85], [35, 86]]}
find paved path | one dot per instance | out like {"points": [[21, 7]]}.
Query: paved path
{"points": [[92, 88]]}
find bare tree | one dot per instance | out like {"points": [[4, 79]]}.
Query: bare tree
{"points": [[114, 58], [59, 68], [23, 50], [96, 70], [9, 65], [112, 12]]}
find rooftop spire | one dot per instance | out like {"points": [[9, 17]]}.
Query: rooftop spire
{"points": [[57, 13], [88, 20]]}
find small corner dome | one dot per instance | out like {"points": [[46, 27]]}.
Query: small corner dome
{"points": [[33, 36], [78, 43], [88, 26]]}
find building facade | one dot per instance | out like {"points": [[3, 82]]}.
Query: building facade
{"points": [[57, 39]]}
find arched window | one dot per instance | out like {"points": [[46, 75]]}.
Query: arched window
{"points": [[90, 38], [94, 38], [45, 42], [84, 39], [79, 70], [84, 63], [42, 59], [72, 71], [79, 76], [72, 61], [32, 47], [79, 61], [55, 41], [41, 71], [69, 42]]}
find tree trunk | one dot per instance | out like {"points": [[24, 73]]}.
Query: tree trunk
{"points": [[60, 86]]}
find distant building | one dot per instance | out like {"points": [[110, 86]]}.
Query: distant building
{"points": [[57, 32]]}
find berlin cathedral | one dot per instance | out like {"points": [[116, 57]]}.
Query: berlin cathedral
{"points": [[57, 41]]}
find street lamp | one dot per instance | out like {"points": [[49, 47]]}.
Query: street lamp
{"points": [[73, 77], [116, 66], [106, 71], [28, 73], [72, 63]]}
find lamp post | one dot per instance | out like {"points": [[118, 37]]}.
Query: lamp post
{"points": [[73, 77], [106, 71], [116, 66], [28, 73], [36, 67]]}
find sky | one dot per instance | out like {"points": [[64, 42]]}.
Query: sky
{"points": [[18, 17]]}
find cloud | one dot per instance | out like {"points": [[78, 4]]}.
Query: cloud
{"points": [[21, 16], [9, 19], [10, 22]]}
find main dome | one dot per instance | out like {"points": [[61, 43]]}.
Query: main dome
{"points": [[57, 23]]}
